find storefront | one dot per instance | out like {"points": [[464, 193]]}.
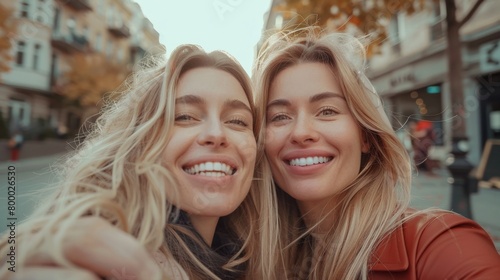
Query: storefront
{"points": [[490, 107], [420, 104]]}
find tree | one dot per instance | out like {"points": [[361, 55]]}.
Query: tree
{"points": [[90, 77], [7, 31]]}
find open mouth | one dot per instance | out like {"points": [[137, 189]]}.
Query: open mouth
{"points": [[211, 169], [308, 161]]}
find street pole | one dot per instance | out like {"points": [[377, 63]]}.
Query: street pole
{"points": [[457, 163]]}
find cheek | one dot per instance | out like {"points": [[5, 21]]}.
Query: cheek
{"points": [[247, 146], [272, 141]]}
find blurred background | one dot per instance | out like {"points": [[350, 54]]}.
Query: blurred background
{"points": [[434, 63]]}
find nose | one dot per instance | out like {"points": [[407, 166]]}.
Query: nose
{"points": [[213, 134], [303, 132]]}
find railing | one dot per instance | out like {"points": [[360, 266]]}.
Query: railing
{"points": [[70, 42], [79, 5], [437, 30], [121, 31]]}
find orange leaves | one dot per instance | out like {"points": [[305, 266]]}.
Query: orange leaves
{"points": [[90, 77], [363, 17], [7, 29]]}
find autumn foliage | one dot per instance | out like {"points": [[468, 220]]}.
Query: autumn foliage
{"points": [[90, 77], [355, 16], [7, 31]]}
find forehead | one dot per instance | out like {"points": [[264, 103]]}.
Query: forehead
{"points": [[304, 79], [210, 82]]}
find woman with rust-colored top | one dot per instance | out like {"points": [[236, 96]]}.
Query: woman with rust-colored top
{"points": [[343, 177]]}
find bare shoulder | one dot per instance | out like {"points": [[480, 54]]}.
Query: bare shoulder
{"points": [[170, 267]]}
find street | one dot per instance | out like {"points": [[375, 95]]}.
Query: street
{"points": [[34, 178]]}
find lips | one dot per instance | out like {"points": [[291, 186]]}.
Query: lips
{"points": [[307, 161], [210, 168]]}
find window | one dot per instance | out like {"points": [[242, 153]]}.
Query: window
{"points": [[109, 51], [36, 56], [439, 10], [278, 21], [396, 32], [42, 15], [71, 23], [25, 7], [21, 49], [120, 56], [57, 19], [396, 28], [98, 42], [438, 25]]}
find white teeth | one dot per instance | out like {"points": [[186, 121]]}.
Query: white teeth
{"points": [[309, 161], [212, 169]]}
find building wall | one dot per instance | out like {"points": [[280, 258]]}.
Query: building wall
{"points": [[32, 69], [26, 91]]}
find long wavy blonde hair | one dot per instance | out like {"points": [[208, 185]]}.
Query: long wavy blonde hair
{"points": [[374, 204], [117, 174]]}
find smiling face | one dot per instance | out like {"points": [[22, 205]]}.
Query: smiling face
{"points": [[313, 143], [212, 149]]}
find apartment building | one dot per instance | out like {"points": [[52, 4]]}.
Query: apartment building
{"points": [[410, 72], [50, 33]]}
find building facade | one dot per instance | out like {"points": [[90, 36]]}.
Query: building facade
{"points": [[49, 34]]}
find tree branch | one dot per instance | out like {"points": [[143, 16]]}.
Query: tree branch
{"points": [[470, 13]]}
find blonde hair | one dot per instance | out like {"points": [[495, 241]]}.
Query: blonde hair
{"points": [[361, 220], [117, 174]]}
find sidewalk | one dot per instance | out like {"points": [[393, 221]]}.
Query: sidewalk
{"points": [[37, 148], [435, 191]]}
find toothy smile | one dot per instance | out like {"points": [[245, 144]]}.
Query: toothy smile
{"points": [[309, 161], [209, 168]]}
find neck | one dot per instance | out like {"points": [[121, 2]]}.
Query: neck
{"points": [[321, 216], [205, 226]]}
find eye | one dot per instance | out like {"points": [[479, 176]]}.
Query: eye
{"points": [[278, 117], [327, 111], [183, 118], [238, 121]]}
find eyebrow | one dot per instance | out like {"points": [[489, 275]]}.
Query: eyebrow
{"points": [[312, 99], [325, 95], [197, 100], [190, 99], [237, 104]]}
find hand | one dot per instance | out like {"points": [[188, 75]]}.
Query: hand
{"points": [[98, 250]]}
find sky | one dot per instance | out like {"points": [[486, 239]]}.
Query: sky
{"points": [[234, 26]]}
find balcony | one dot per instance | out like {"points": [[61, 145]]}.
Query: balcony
{"points": [[119, 31], [70, 43], [79, 5], [437, 30], [136, 53], [136, 49]]}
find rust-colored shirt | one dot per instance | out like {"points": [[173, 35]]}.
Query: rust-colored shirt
{"points": [[436, 246]]}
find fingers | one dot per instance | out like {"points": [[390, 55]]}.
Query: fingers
{"points": [[95, 245], [109, 251], [53, 273]]}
